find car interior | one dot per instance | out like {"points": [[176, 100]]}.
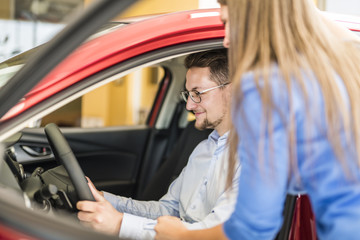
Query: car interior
{"points": [[122, 159]]}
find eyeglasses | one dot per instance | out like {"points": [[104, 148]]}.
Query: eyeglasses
{"points": [[195, 95]]}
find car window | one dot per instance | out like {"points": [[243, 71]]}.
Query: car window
{"points": [[126, 101]]}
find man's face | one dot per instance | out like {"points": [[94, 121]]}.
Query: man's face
{"points": [[212, 112], [225, 19]]}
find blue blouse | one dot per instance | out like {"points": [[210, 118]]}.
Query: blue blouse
{"points": [[334, 191]]}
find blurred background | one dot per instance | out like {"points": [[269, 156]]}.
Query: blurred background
{"points": [[25, 24]]}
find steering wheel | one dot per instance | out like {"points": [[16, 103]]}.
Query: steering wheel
{"points": [[65, 155]]}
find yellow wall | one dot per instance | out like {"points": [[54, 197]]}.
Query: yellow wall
{"points": [[95, 106], [118, 93], [102, 107], [159, 6], [5, 9], [145, 7]]}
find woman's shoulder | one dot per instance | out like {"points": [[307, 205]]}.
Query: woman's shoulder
{"points": [[257, 78]]}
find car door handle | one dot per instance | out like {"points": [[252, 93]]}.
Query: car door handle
{"points": [[37, 151]]}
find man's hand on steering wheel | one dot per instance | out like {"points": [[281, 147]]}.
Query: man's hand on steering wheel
{"points": [[99, 215]]}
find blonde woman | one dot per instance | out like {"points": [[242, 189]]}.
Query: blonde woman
{"points": [[296, 120]]}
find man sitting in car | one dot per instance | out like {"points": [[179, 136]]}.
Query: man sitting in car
{"points": [[198, 196]]}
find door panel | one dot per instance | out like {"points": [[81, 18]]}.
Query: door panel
{"points": [[111, 157]]}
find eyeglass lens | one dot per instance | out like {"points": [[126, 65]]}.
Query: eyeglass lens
{"points": [[193, 95]]}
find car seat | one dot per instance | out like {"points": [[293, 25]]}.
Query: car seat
{"points": [[171, 168]]}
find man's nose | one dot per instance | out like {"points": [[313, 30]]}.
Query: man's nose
{"points": [[190, 104]]}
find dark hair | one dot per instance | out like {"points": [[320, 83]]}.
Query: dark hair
{"points": [[216, 60], [222, 2]]}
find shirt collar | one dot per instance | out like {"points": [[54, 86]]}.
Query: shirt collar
{"points": [[214, 135]]}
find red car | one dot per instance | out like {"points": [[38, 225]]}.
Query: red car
{"points": [[138, 63]]}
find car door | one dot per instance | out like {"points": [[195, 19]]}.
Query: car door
{"points": [[111, 155], [118, 158]]}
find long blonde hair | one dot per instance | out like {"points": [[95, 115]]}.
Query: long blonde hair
{"points": [[295, 36]]}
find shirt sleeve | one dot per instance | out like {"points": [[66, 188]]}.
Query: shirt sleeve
{"points": [[135, 227], [263, 179], [139, 216], [148, 209]]}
